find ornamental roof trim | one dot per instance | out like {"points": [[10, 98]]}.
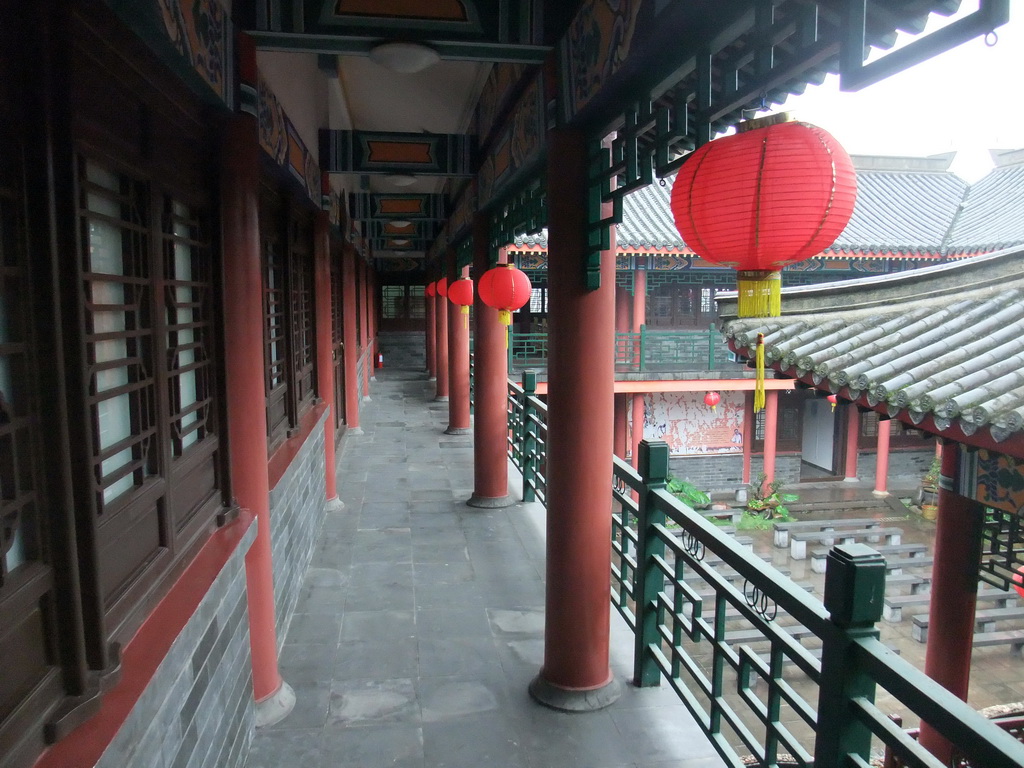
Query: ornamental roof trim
{"points": [[941, 347]]}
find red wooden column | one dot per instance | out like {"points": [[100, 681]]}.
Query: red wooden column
{"points": [[324, 351], [349, 278], [771, 432], [621, 419], [636, 429], [581, 376], [490, 388], [364, 326], [639, 308], [246, 397], [458, 358], [441, 347], [882, 460], [954, 593], [852, 443], [748, 435], [430, 329]]}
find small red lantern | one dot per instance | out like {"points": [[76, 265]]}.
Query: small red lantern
{"points": [[712, 399], [773, 194], [461, 292], [506, 289], [1018, 580], [834, 400], [430, 290], [441, 286]]}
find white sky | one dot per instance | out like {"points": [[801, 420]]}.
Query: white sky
{"points": [[969, 99]]}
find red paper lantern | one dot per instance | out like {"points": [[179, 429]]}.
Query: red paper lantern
{"points": [[768, 196], [506, 289], [430, 290], [441, 286], [834, 400], [461, 292], [1018, 581], [712, 399]]}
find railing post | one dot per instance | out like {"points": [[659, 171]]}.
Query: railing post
{"points": [[854, 591], [711, 346], [528, 439], [643, 346], [648, 580]]}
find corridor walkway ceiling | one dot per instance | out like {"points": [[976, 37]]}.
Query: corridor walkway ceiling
{"points": [[806, 39]]}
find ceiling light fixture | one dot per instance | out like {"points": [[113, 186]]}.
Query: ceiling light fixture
{"points": [[400, 179], [400, 241], [401, 223], [404, 58]]}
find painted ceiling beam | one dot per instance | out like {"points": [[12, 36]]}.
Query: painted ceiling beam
{"points": [[449, 50], [386, 152]]}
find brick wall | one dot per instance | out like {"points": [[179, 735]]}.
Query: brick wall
{"points": [[296, 512], [197, 711], [901, 463], [724, 472]]}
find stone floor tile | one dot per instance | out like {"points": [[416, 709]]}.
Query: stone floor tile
{"points": [[373, 702], [388, 746]]}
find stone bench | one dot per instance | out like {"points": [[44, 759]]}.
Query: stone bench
{"points": [[892, 609], [783, 530], [731, 514], [895, 566], [1011, 637], [919, 585], [819, 556], [984, 621], [798, 541]]}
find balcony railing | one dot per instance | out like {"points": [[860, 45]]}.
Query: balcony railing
{"points": [[644, 352], [765, 668]]}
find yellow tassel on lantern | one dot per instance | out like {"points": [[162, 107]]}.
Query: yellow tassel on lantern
{"points": [[760, 293], [504, 317], [464, 311], [759, 368]]}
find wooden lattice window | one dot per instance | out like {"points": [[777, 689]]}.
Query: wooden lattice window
{"points": [[302, 311], [275, 339], [289, 332], [900, 436], [790, 425]]}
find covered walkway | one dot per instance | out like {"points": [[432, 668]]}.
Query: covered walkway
{"points": [[420, 623]]}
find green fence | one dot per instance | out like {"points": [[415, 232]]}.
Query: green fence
{"points": [[766, 669], [644, 352]]}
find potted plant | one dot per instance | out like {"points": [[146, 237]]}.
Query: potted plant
{"points": [[688, 493], [767, 500]]}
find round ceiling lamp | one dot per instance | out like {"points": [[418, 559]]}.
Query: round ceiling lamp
{"points": [[401, 223], [401, 241], [400, 179], [404, 58]]}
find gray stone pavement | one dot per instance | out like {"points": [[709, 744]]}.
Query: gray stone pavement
{"points": [[420, 623]]}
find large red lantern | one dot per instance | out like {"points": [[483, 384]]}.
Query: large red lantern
{"points": [[430, 290], [461, 292], [441, 286], [768, 196], [712, 399], [506, 289]]}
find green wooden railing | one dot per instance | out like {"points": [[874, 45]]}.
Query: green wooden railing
{"points": [[644, 352], [764, 667]]}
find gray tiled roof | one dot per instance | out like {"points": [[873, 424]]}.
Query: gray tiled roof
{"points": [[910, 206], [992, 216], [944, 343]]}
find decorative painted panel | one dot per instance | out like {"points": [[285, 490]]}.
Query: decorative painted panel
{"points": [[280, 140], [690, 427], [494, 97], [994, 479], [596, 45], [366, 205], [517, 149], [201, 32], [425, 154]]}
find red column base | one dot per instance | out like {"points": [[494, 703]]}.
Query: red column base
{"points": [[575, 699]]}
